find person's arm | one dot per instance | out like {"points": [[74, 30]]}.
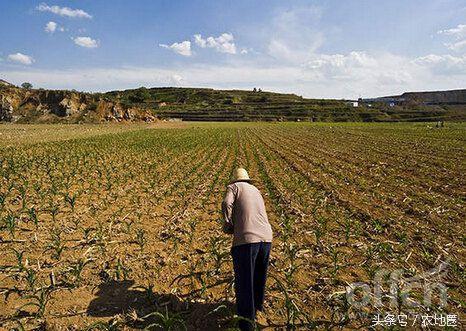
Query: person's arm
{"points": [[227, 209]]}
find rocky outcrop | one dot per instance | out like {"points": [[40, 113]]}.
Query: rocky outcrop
{"points": [[70, 107], [6, 110], [18, 104]]}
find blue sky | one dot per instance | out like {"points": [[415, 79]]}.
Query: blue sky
{"points": [[340, 49]]}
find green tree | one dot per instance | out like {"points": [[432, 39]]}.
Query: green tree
{"points": [[139, 95], [26, 85]]}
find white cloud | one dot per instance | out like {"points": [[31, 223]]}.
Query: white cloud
{"points": [[223, 43], [244, 51], [199, 41], [359, 71], [458, 32], [445, 65], [459, 45], [21, 58], [324, 76], [293, 35], [50, 27], [63, 11], [87, 42], [182, 48]]}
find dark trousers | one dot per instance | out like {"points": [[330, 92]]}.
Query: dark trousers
{"points": [[250, 263]]}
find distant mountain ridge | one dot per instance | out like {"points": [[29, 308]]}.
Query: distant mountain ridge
{"points": [[24, 105], [451, 97]]}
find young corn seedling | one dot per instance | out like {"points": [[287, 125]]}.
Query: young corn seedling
{"points": [[167, 321], [19, 259], [141, 238], [39, 301], [292, 252], [56, 245], [292, 312], [121, 271], [23, 192], [2, 201], [54, 210], [71, 200], [149, 292], [217, 253], [348, 228], [336, 266], [33, 216], [76, 270], [127, 227], [234, 319], [10, 224], [31, 278], [289, 273]]}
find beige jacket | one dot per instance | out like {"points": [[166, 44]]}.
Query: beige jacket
{"points": [[244, 214]]}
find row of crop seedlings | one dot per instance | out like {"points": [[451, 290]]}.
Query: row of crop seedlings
{"points": [[283, 272]]}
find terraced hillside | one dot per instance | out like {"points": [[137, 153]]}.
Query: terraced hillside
{"points": [[198, 104]]}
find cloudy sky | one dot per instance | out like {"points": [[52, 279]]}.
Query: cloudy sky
{"points": [[329, 49]]}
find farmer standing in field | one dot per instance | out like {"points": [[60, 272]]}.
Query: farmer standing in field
{"points": [[245, 217]]}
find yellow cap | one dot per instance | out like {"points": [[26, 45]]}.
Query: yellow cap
{"points": [[240, 174]]}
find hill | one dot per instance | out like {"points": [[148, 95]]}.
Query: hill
{"points": [[201, 104], [452, 97]]}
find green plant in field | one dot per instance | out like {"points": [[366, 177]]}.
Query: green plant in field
{"points": [[319, 234], [53, 210], [287, 226], [292, 312], [127, 228], [56, 244], [218, 253], [19, 259], [71, 200], [23, 192], [33, 216], [31, 278], [40, 299], [113, 324], [292, 251], [10, 224], [335, 264], [121, 271], [348, 228], [87, 234], [141, 238], [167, 321], [100, 236], [289, 272], [76, 269], [234, 319], [2, 200], [149, 292], [379, 226]]}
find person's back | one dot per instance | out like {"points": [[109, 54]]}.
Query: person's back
{"points": [[245, 217], [250, 222]]}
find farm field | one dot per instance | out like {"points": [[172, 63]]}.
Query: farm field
{"points": [[117, 226]]}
